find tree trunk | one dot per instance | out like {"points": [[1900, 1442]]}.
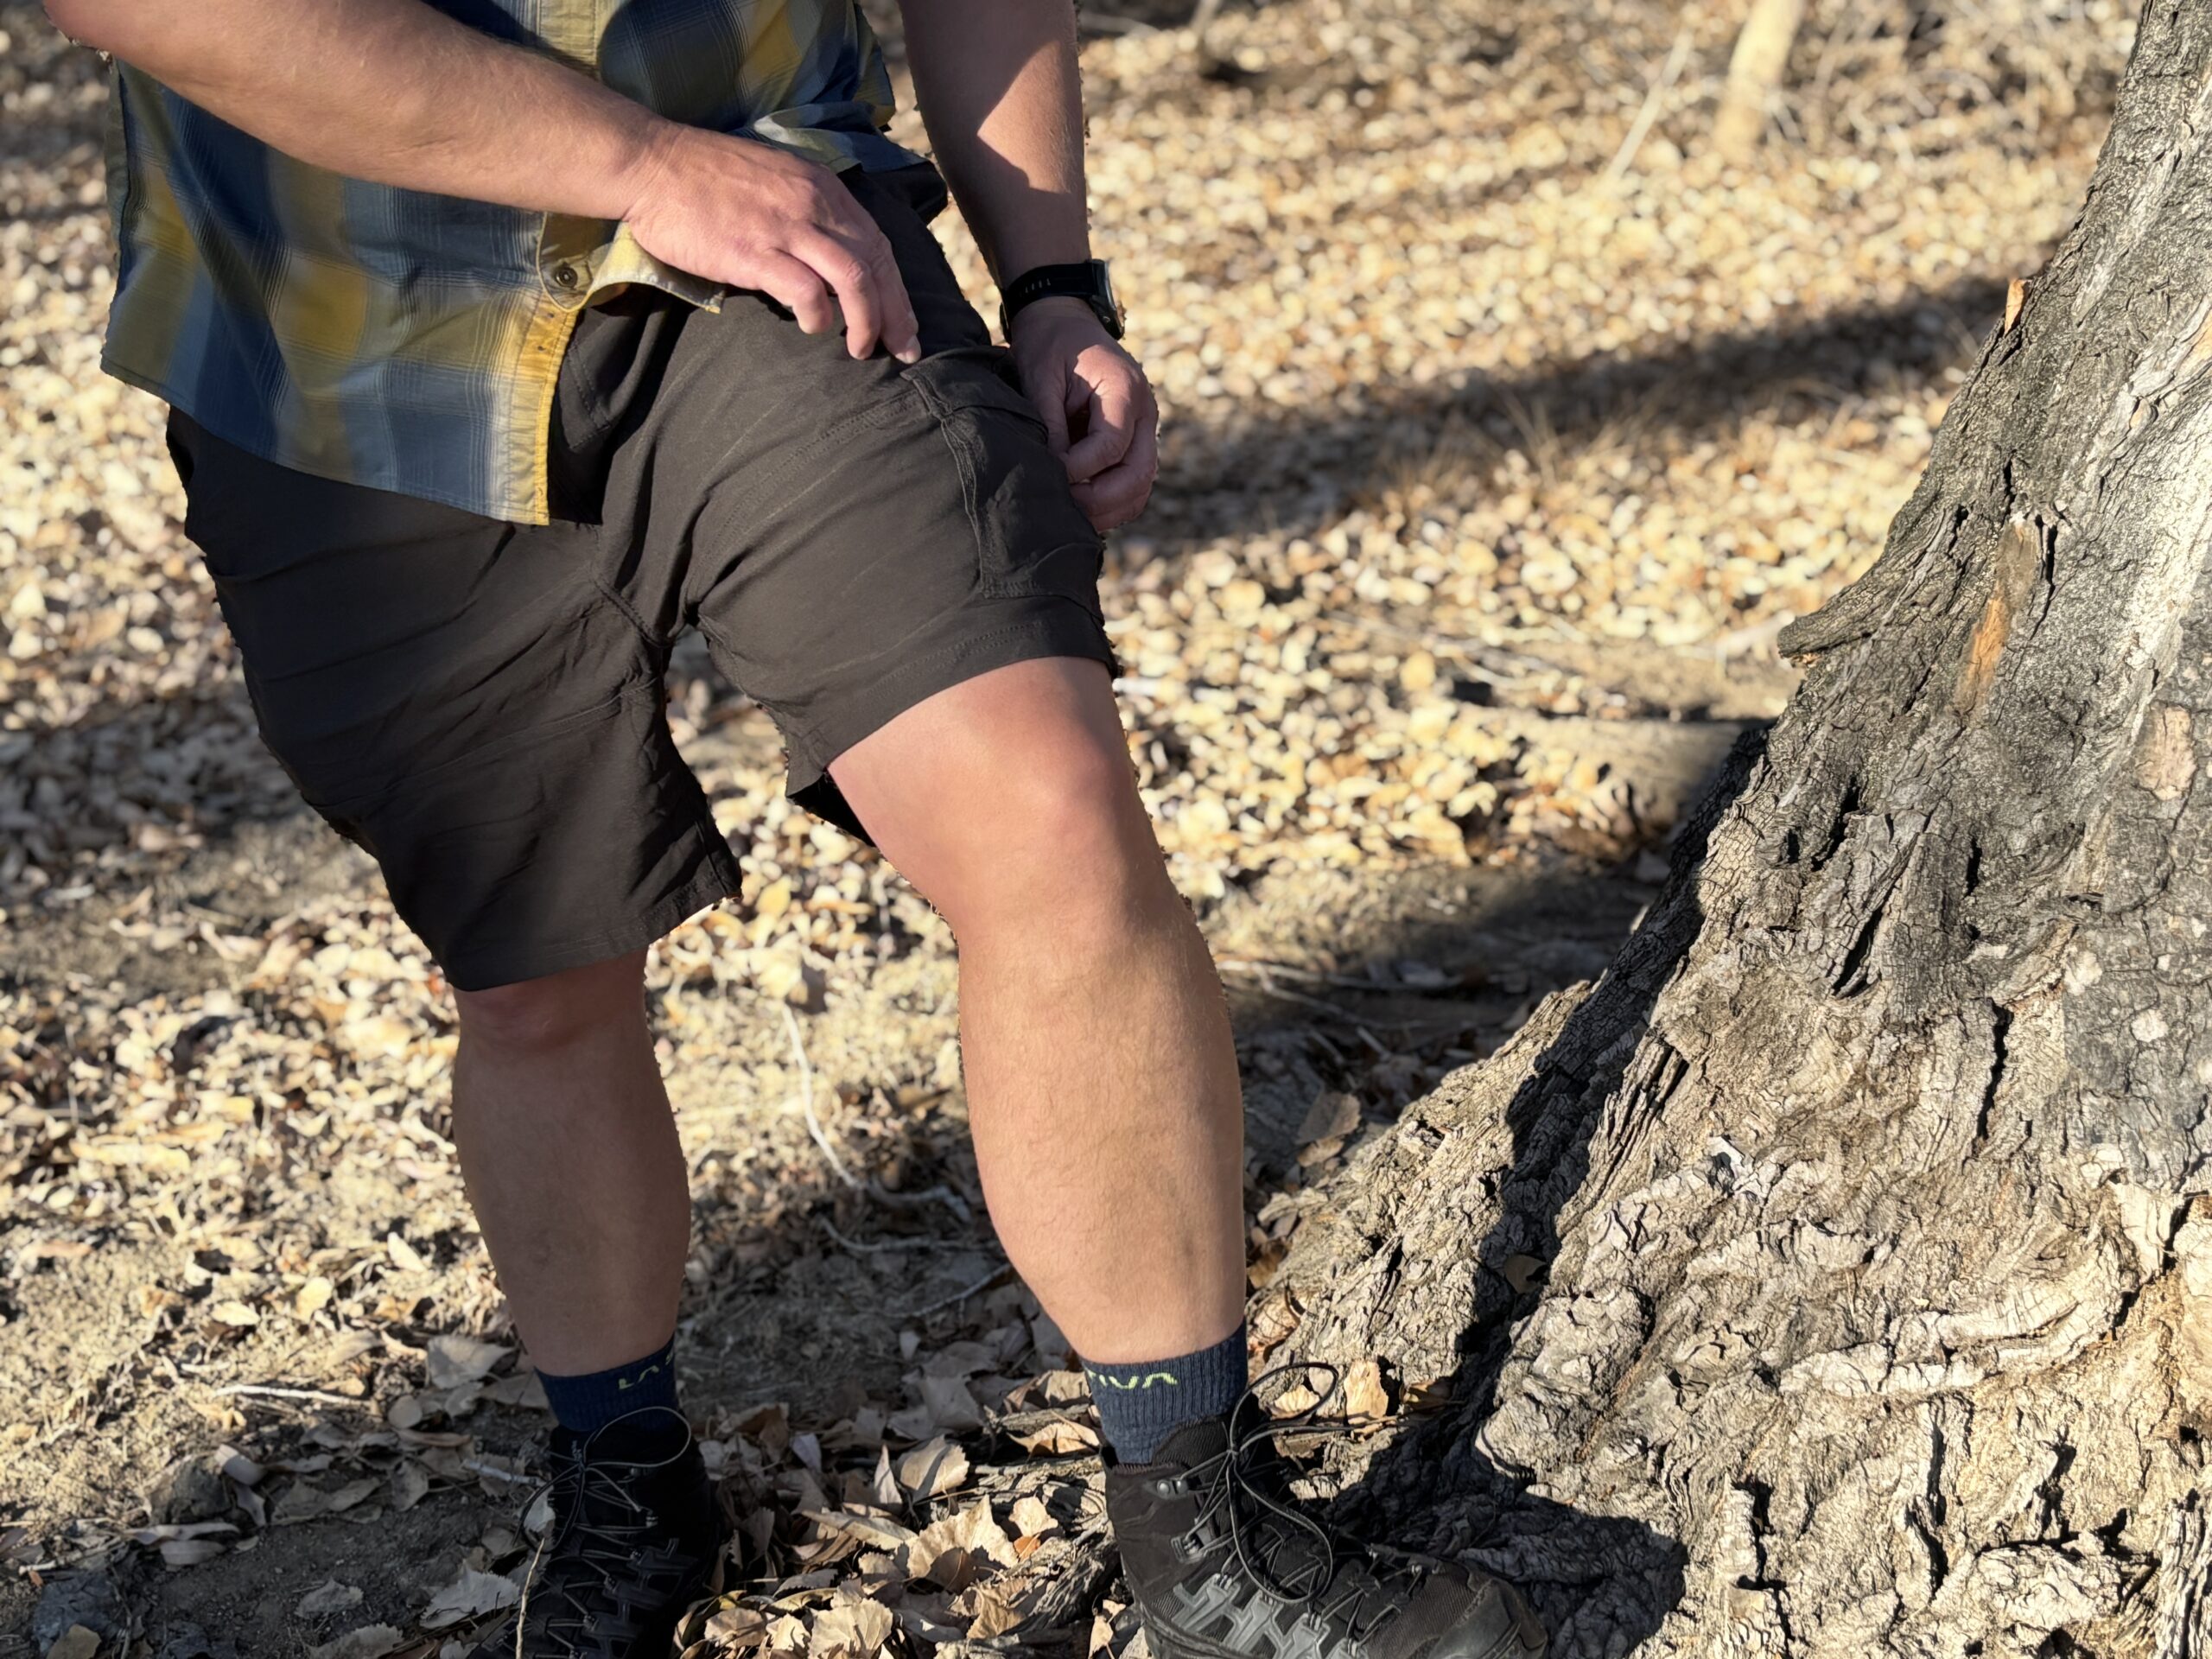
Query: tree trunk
{"points": [[1755, 72], [1835, 1277]]}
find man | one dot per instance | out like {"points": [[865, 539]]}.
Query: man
{"points": [[507, 339]]}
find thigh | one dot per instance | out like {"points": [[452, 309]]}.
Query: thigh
{"points": [[865, 535], [460, 697]]}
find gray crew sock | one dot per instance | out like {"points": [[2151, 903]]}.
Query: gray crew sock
{"points": [[1140, 1406]]}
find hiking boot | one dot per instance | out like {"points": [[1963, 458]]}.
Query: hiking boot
{"points": [[635, 1538], [1225, 1563]]}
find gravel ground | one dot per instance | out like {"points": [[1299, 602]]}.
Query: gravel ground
{"points": [[1498, 451]]}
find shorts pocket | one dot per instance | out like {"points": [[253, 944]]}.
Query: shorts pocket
{"points": [[1031, 537]]}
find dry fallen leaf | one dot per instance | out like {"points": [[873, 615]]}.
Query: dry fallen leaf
{"points": [[1522, 1273], [767, 1426], [1364, 1394], [949, 1403], [1066, 1388], [522, 1391], [933, 1468], [1293, 1399], [737, 1627], [453, 1360], [1332, 1115], [1031, 1517], [874, 1529], [1063, 1436], [993, 1611], [352, 1493], [883, 1484], [328, 1596], [411, 1484], [75, 1643], [1429, 1396], [1273, 1321], [952, 1553], [470, 1596], [853, 1628], [370, 1642], [352, 1346], [1317, 1153]]}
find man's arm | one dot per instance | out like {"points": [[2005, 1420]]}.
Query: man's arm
{"points": [[999, 92], [394, 92]]}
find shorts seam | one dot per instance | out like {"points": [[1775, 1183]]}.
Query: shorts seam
{"points": [[659, 641], [1001, 570], [720, 641]]}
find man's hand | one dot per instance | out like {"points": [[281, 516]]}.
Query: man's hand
{"points": [[396, 92], [735, 211], [1098, 410]]}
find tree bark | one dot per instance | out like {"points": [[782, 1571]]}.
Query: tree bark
{"points": [[1834, 1276], [1755, 72]]}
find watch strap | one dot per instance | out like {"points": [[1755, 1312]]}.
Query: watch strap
{"points": [[1085, 280]]}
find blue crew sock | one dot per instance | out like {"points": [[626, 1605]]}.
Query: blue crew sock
{"points": [[1140, 1406], [584, 1404]]}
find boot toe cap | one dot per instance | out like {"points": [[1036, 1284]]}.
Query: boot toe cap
{"points": [[1494, 1621]]}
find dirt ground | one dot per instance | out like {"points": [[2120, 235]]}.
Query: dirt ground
{"points": [[1498, 451]]}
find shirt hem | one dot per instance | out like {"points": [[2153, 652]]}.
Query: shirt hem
{"points": [[172, 395]]}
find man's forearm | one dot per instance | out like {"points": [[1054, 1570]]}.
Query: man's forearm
{"points": [[999, 92], [389, 91]]}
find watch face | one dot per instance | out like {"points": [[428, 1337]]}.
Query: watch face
{"points": [[1109, 308]]}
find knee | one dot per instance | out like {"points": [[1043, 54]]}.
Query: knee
{"points": [[546, 1015], [1067, 839]]}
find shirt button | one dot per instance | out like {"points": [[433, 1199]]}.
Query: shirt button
{"points": [[564, 276]]}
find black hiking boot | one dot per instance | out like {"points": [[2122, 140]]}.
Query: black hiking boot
{"points": [[1225, 1563], [635, 1538]]}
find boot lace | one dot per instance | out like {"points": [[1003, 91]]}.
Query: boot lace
{"points": [[1295, 1556], [585, 1595]]}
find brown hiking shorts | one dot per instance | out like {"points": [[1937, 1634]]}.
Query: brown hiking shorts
{"points": [[480, 704]]}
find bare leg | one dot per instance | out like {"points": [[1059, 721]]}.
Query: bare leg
{"points": [[1102, 1077], [572, 1163]]}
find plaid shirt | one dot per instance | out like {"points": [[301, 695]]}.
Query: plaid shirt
{"points": [[411, 342]]}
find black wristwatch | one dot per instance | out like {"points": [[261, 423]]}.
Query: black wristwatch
{"points": [[1087, 282]]}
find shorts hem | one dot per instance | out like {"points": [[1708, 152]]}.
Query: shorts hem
{"points": [[508, 964], [1067, 628]]}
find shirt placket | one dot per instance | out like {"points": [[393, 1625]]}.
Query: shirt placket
{"points": [[571, 248]]}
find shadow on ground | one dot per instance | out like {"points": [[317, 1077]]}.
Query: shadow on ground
{"points": [[1209, 480]]}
